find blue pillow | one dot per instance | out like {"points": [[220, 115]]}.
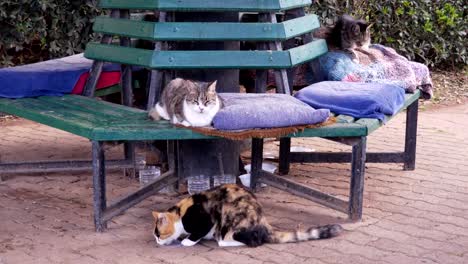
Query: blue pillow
{"points": [[359, 100], [249, 111]]}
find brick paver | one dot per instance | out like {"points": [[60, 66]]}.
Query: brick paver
{"points": [[412, 217]]}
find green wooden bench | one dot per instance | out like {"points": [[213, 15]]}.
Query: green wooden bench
{"points": [[101, 121]]}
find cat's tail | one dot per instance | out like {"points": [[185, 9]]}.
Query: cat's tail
{"points": [[313, 233]]}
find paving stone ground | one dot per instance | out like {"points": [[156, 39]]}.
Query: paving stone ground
{"points": [[412, 217]]}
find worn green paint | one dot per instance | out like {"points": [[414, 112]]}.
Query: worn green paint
{"points": [[100, 120], [308, 51], [188, 59], [206, 5], [344, 119], [225, 59], [333, 130], [21, 108], [301, 25], [371, 124], [118, 54], [181, 31], [94, 119], [410, 98], [220, 59]]}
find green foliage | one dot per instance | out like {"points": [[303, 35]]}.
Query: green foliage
{"points": [[431, 32], [35, 30]]}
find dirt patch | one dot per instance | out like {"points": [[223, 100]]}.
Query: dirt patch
{"points": [[450, 88]]}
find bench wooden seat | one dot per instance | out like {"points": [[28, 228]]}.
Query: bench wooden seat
{"points": [[95, 119], [104, 121]]}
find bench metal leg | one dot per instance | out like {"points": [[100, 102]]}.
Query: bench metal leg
{"points": [[155, 88], [156, 76], [91, 83], [56, 166], [357, 180], [96, 68], [352, 207], [281, 76], [104, 212], [410, 136], [126, 70], [127, 93], [1, 177], [129, 152], [173, 164], [284, 155], [261, 76], [290, 43], [99, 185], [257, 160]]}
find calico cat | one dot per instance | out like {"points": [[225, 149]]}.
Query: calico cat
{"points": [[350, 34], [229, 214], [187, 102]]}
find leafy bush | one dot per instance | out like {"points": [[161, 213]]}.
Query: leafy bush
{"points": [[431, 32], [35, 30]]}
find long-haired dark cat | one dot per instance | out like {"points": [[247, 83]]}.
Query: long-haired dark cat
{"points": [[187, 102], [229, 214], [350, 34]]}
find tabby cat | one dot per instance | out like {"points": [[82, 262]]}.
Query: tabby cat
{"points": [[229, 214], [350, 34], [187, 102]]}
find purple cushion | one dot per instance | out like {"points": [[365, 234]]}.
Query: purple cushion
{"points": [[249, 111]]}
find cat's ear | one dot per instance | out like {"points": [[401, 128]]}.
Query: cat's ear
{"points": [[162, 218], [363, 26], [155, 215], [356, 29], [369, 26], [189, 82], [176, 82], [212, 87]]}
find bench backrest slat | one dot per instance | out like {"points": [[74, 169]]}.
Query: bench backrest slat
{"points": [[206, 31], [307, 52], [216, 59], [206, 5]]}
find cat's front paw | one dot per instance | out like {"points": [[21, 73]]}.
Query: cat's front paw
{"points": [[224, 243], [188, 243], [185, 123]]}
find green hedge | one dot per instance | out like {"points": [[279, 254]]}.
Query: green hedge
{"points": [[431, 32], [35, 30]]}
